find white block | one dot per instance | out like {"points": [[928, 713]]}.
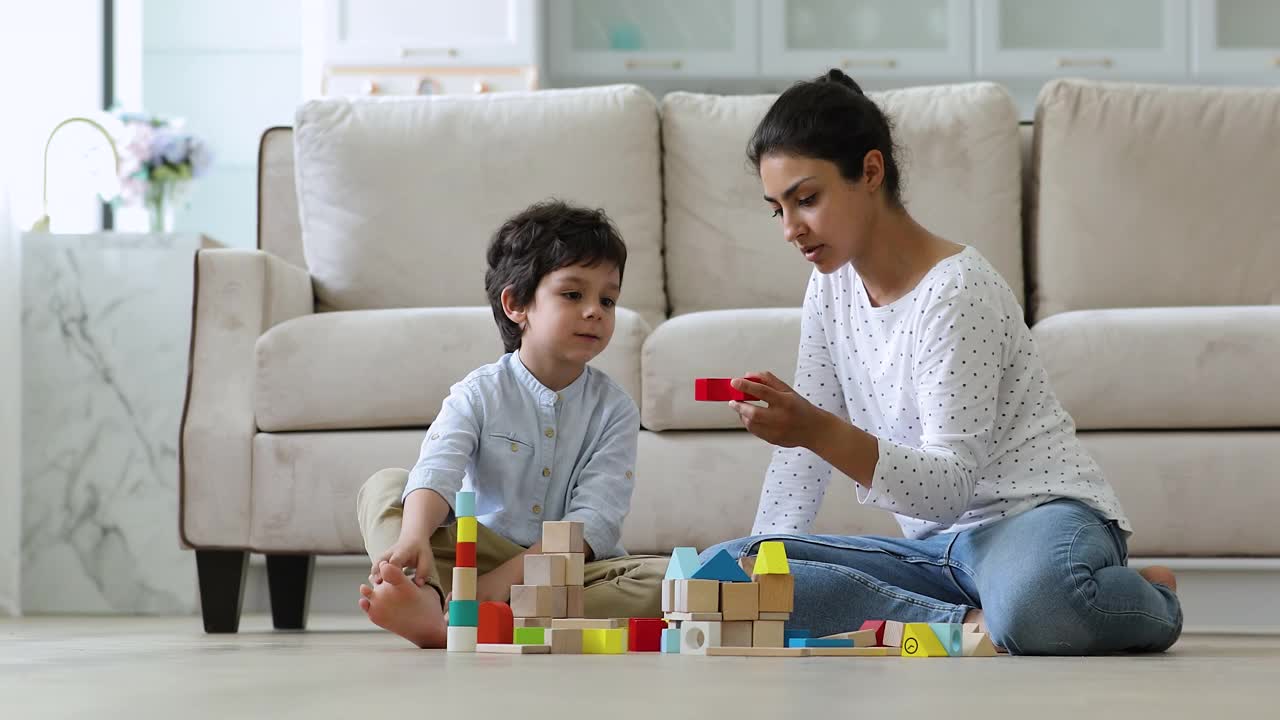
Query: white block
{"points": [[696, 637], [462, 639]]}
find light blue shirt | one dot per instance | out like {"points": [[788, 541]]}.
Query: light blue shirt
{"points": [[533, 454]]}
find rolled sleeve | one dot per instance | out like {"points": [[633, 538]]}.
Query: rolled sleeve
{"points": [[449, 446], [601, 498]]}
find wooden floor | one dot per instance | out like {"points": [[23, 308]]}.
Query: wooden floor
{"points": [[343, 668]]}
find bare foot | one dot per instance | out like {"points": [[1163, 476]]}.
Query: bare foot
{"points": [[398, 605], [1160, 575]]}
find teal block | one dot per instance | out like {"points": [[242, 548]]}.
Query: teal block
{"points": [[670, 643], [684, 563], [819, 643], [464, 613], [464, 504], [949, 634], [722, 567], [530, 636], [790, 635]]}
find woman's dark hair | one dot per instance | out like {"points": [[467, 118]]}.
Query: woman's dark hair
{"points": [[828, 118], [540, 240]]}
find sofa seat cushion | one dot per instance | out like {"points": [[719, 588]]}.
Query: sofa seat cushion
{"points": [[1153, 368], [718, 343], [392, 368]]}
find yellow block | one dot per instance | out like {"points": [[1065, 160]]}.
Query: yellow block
{"points": [[466, 529], [918, 640], [772, 559], [598, 641]]}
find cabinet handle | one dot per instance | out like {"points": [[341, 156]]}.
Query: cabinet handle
{"points": [[654, 64], [1105, 62], [869, 62], [428, 52]]}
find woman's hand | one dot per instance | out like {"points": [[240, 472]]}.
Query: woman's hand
{"points": [[788, 420]]}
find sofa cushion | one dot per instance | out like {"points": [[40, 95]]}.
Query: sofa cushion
{"points": [[1155, 196], [1207, 367], [720, 343], [393, 368], [960, 169], [400, 196]]}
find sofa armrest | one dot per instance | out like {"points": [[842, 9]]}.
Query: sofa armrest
{"points": [[238, 295]]}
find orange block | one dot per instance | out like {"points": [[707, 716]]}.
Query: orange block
{"points": [[496, 623]]}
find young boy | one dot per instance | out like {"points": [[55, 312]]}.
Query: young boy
{"points": [[537, 435]]}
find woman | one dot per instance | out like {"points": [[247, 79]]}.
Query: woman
{"points": [[918, 379]]}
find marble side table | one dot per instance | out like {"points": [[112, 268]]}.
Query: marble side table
{"points": [[105, 327]]}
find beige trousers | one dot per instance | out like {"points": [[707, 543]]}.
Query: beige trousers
{"points": [[619, 587]]}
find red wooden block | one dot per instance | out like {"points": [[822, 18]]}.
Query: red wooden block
{"points": [[465, 555], [645, 634], [496, 623], [718, 390], [878, 626]]}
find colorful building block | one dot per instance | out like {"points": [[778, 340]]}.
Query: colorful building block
{"points": [[684, 563], [740, 601], [777, 593], [670, 642], [464, 504], [598, 641], [467, 529], [645, 634], [790, 635], [464, 555], [496, 623], [562, 536], [461, 639], [888, 632], [464, 613], [771, 559], [718, 390], [948, 635], [696, 637], [529, 636], [820, 643], [918, 640], [721, 567]]}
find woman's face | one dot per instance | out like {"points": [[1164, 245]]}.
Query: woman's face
{"points": [[825, 216]]}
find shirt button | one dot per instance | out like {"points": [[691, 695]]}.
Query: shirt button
{"points": [[435, 436], [514, 447], [546, 472], [537, 509], [550, 433], [628, 474]]}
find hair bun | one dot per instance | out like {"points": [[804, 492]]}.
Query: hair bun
{"points": [[837, 76]]}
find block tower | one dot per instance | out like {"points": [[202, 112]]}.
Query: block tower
{"points": [[464, 611], [552, 593]]}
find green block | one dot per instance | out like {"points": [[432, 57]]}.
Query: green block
{"points": [[464, 613], [530, 636]]}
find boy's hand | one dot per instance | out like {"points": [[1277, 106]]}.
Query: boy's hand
{"points": [[408, 552]]}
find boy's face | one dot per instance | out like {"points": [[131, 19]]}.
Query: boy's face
{"points": [[572, 314]]}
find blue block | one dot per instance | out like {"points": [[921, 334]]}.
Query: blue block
{"points": [[670, 643], [788, 635], [464, 613], [464, 504], [949, 634], [721, 567], [819, 643], [684, 562]]}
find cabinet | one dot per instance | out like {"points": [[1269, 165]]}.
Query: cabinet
{"points": [[430, 32], [621, 38], [1236, 36], [1082, 37], [886, 38]]}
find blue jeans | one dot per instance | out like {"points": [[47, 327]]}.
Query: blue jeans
{"points": [[1050, 581]]}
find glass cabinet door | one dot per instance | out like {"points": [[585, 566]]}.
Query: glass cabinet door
{"points": [[1236, 36], [653, 37], [866, 37], [1082, 37]]}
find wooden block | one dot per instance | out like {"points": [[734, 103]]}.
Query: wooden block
{"points": [[779, 616], [530, 636], [574, 567], [721, 567], [544, 569], [587, 623], [697, 617], [949, 635], [767, 633], [893, 633], [740, 601], [461, 639], [464, 555], [877, 627], [757, 652], [697, 596], [668, 596], [542, 622], [564, 641], [559, 602], [531, 600], [464, 583], [820, 642], [718, 390], [696, 637], [670, 643], [496, 624], [918, 640], [777, 593], [598, 641], [464, 504], [513, 649], [562, 536], [736, 634], [860, 638], [467, 529], [645, 634], [771, 559], [684, 563], [978, 645], [854, 652], [574, 601], [464, 613], [971, 628]]}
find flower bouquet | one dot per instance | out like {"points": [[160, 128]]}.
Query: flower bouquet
{"points": [[157, 164]]}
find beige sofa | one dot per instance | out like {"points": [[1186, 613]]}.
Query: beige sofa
{"points": [[1141, 224]]}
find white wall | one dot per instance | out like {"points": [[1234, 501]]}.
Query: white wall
{"points": [[10, 413]]}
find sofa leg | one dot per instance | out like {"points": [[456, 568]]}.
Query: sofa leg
{"points": [[289, 581], [221, 575]]}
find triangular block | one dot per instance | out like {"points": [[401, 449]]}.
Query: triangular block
{"points": [[721, 567], [949, 635], [684, 563], [772, 559], [978, 645], [918, 640]]}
